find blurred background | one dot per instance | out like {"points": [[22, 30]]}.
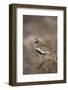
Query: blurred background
{"points": [[45, 29]]}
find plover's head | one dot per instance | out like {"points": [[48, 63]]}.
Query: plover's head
{"points": [[36, 41]]}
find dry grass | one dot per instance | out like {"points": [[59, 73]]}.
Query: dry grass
{"points": [[44, 64]]}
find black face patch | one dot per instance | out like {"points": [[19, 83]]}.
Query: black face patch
{"points": [[37, 41]]}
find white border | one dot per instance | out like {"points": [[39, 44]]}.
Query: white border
{"points": [[37, 77]]}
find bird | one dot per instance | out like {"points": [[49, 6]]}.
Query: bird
{"points": [[38, 48]]}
